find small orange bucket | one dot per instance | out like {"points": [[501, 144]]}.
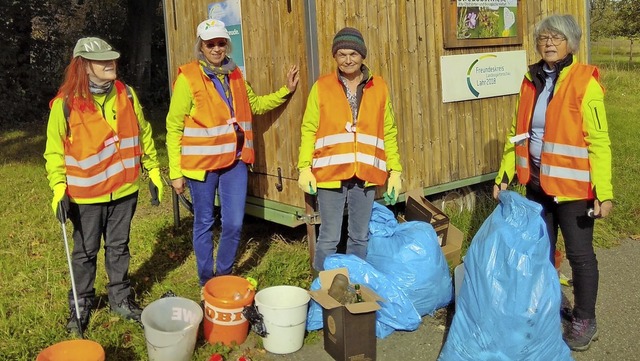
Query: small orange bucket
{"points": [[73, 350], [224, 299]]}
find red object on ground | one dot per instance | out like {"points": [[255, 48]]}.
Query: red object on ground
{"points": [[244, 358], [216, 357]]}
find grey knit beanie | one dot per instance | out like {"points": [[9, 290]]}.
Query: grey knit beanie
{"points": [[349, 38]]}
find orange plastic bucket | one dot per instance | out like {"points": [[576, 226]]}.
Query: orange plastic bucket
{"points": [[73, 350], [224, 299]]}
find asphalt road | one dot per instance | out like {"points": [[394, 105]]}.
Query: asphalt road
{"points": [[618, 312]]}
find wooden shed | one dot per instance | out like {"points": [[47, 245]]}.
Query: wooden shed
{"points": [[444, 145]]}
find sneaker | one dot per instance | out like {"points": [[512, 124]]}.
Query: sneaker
{"points": [[581, 334], [128, 309], [85, 308]]}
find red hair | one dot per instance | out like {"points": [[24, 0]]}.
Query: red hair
{"points": [[75, 87]]}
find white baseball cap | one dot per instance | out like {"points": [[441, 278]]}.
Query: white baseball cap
{"points": [[211, 29]]}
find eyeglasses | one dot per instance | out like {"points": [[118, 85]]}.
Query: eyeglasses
{"points": [[213, 44], [555, 39]]}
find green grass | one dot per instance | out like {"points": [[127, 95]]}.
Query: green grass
{"points": [[34, 276]]}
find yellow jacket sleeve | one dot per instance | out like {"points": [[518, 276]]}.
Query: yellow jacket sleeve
{"points": [[508, 163], [54, 149], [149, 157], [597, 138], [181, 105], [261, 104], [309, 127], [391, 139]]}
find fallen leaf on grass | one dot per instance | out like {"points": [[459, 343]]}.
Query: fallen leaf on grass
{"points": [[635, 237]]}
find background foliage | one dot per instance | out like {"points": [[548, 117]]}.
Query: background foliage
{"points": [[37, 39]]}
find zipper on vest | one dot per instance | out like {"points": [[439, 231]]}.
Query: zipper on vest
{"points": [[597, 118]]}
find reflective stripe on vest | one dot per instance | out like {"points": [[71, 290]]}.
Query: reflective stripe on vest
{"points": [[340, 154], [99, 160], [209, 139], [564, 160]]}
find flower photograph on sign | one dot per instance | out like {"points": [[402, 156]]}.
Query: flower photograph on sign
{"points": [[483, 19]]}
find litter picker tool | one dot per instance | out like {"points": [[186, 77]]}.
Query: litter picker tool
{"points": [[73, 282]]}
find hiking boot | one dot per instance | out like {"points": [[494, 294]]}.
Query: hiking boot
{"points": [[581, 333], [128, 309], [85, 308]]}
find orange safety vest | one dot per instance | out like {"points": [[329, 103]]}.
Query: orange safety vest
{"points": [[342, 151], [564, 162], [209, 139], [98, 159]]}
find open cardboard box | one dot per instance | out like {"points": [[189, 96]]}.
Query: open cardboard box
{"points": [[349, 330], [418, 208]]}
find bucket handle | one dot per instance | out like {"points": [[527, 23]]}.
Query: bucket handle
{"points": [[184, 333]]}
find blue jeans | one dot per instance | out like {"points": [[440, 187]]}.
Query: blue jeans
{"points": [[331, 203], [231, 184]]}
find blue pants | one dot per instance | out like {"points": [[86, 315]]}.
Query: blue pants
{"points": [[231, 184], [331, 203]]}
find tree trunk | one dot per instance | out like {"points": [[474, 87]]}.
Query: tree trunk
{"points": [[630, 51], [141, 15]]}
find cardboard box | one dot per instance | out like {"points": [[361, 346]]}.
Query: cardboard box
{"points": [[349, 330], [453, 249], [418, 208]]}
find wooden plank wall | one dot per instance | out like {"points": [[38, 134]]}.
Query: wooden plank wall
{"points": [[274, 38], [439, 142]]}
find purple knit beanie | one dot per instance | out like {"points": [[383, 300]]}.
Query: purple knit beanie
{"points": [[349, 38]]}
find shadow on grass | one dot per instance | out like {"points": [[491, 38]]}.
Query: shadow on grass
{"points": [[23, 144], [257, 238], [117, 353], [172, 248]]}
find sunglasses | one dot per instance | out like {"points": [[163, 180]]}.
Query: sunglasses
{"points": [[213, 44]]}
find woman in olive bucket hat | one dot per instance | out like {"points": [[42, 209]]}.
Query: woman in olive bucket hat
{"points": [[97, 141]]}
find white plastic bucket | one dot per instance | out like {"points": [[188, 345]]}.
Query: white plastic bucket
{"points": [[284, 312], [171, 328], [458, 276]]}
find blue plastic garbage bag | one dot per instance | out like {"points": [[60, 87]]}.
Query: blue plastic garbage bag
{"points": [[410, 256], [396, 312], [508, 307]]}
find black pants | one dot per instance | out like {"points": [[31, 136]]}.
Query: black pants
{"points": [[91, 223], [577, 230]]}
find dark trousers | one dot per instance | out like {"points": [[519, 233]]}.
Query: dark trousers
{"points": [[91, 223], [577, 230]]}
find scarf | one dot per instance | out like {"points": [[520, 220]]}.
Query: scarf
{"points": [[228, 65], [100, 89]]}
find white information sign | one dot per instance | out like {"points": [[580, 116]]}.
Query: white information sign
{"points": [[483, 75]]}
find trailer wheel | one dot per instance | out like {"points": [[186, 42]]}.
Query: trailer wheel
{"points": [[459, 199]]}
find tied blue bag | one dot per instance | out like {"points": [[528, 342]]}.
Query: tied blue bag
{"points": [[508, 307], [410, 256]]}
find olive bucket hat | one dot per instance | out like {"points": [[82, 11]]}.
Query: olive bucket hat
{"points": [[94, 49]]}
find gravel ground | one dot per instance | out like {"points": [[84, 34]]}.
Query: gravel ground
{"points": [[618, 311]]}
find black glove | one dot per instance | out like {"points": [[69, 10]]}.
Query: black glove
{"points": [[63, 209], [154, 194]]}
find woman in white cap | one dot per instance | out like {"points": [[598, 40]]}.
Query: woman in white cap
{"points": [[210, 142], [97, 140]]}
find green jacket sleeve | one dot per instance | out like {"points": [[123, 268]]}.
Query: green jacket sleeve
{"points": [[149, 157], [310, 123], [261, 104], [181, 104], [508, 163], [391, 139], [54, 150], [597, 138]]}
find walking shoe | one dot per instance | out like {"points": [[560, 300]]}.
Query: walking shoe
{"points": [[581, 333], [86, 308], [128, 309]]}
